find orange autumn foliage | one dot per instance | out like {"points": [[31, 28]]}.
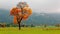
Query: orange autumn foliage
{"points": [[15, 20], [28, 10], [15, 11], [27, 13]]}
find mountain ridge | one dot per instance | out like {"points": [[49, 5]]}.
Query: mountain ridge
{"points": [[36, 19]]}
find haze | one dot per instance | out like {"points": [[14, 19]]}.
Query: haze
{"points": [[44, 6]]}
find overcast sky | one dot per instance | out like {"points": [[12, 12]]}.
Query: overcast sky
{"points": [[48, 6]]}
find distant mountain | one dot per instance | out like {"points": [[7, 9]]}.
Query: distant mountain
{"points": [[4, 16], [36, 19]]}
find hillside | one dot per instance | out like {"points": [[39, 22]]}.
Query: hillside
{"points": [[36, 19]]}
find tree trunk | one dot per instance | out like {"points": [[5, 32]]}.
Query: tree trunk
{"points": [[19, 19], [19, 23]]}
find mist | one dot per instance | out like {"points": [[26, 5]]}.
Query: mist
{"points": [[38, 6]]}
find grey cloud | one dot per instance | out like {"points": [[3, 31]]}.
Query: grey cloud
{"points": [[49, 6]]}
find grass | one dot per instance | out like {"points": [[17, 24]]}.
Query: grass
{"points": [[27, 30]]}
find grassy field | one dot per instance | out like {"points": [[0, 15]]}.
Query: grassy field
{"points": [[28, 30]]}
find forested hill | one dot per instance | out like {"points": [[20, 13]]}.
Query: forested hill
{"points": [[37, 19]]}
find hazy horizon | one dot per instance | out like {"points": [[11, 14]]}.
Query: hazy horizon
{"points": [[44, 6]]}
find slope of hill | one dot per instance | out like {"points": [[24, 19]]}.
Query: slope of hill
{"points": [[4, 16], [36, 19]]}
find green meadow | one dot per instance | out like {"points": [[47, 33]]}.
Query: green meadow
{"points": [[27, 30]]}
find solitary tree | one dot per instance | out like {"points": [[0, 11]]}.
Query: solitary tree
{"points": [[21, 12]]}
